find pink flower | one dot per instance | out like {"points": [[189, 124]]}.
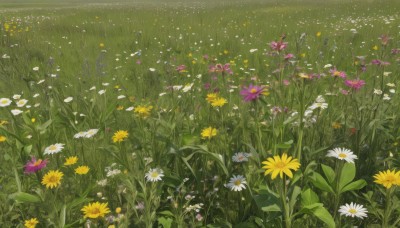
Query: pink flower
{"points": [[385, 39], [395, 51], [355, 84], [335, 73], [34, 165], [219, 68], [251, 93], [181, 68], [289, 56], [278, 46], [379, 62]]}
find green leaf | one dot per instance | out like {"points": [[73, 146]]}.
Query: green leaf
{"points": [[267, 200], [293, 199], [271, 208], [62, 215], [356, 185], [24, 197], [319, 182], [322, 214], [308, 197], [329, 173], [165, 222], [347, 174]]}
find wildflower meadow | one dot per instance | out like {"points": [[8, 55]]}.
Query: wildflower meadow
{"points": [[167, 114]]}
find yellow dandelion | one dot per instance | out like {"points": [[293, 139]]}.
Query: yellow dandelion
{"points": [[52, 179], [31, 223], [318, 34], [279, 165], [95, 210], [118, 210], [82, 170], [388, 178], [219, 102], [71, 160], [208, 133], [375, 48], [120, 136], [101, 45], [143, 111], [211, 97], [336, 125], [2, 138]]}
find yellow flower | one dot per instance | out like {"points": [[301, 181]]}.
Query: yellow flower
{"points": [[219, 102], [120, 107], [3, 122], [31, 223], [318, 34], [71, 160], [375, 48], [211, 97], [226, 52], [303, 55], [208, 133], [336, 125], [118, 210], [143, 111], [120, 136], [111, 226], [388, 178], [2, 138], [52, 178], [81, 170], [95, 210], [279, 165], [101, 45]]}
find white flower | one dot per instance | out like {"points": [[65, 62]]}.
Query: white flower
{"points": [[152, 69], [21, 103], [105, 84], [121, 97], [187, 87], [16, 112], [237, 183], [16, 96], [102, 91], [253, 50], [319, 103], [392, 91], [377, 91], [386, 97], [53, 149], [68, 99], [93, 88], [36, 95], [342, 154], [129, 109], [240, 157], [328, 65], [154, 175], [90, 133], [4, 102], [80, 134], [391, 84], [102, 182], [35, 68], [386, 73], [353, 210]]}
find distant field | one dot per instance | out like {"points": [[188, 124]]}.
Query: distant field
{"points": [[181, 113]]}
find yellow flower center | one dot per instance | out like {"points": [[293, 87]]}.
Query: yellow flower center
{"points": [[4, 101], [342, 155], [237, 182], [154, 174], [336, 73], [253, 90], [353, 211], [52, 147], [280, 165], [53, 179], [95, 211]]}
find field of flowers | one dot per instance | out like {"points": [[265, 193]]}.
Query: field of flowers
{"points": [[200, 114]]}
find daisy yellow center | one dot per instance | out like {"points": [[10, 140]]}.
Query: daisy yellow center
{"points": [[95, 211], [336, 73], [353, 211], [342, 155], [4, 101], [37, 163], [253, 90], [52, 147], [237, 182], [53, 179], [154, 174]]}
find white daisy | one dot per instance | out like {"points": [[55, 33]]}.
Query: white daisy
{"points": [[102, 91], [68, 99], [121, 97], [342, 154], [240, 157], [90, 133], [80, 134], [21, 103], [53, 149], [353, 210], [16, 96], [129, 109], [154, 175], [16, 112], [237, 183], [4, 102]]}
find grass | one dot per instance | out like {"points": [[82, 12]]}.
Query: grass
{"points": [[133, 49]]}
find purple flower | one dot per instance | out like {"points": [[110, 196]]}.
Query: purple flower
{"points": [[34, 165], [278, 46], [251, 93], [379, 62], [355, 84], [289, 56], [395, 51], [335, 73]]}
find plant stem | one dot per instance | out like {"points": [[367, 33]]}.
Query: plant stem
{"points": [[288, 221]]}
